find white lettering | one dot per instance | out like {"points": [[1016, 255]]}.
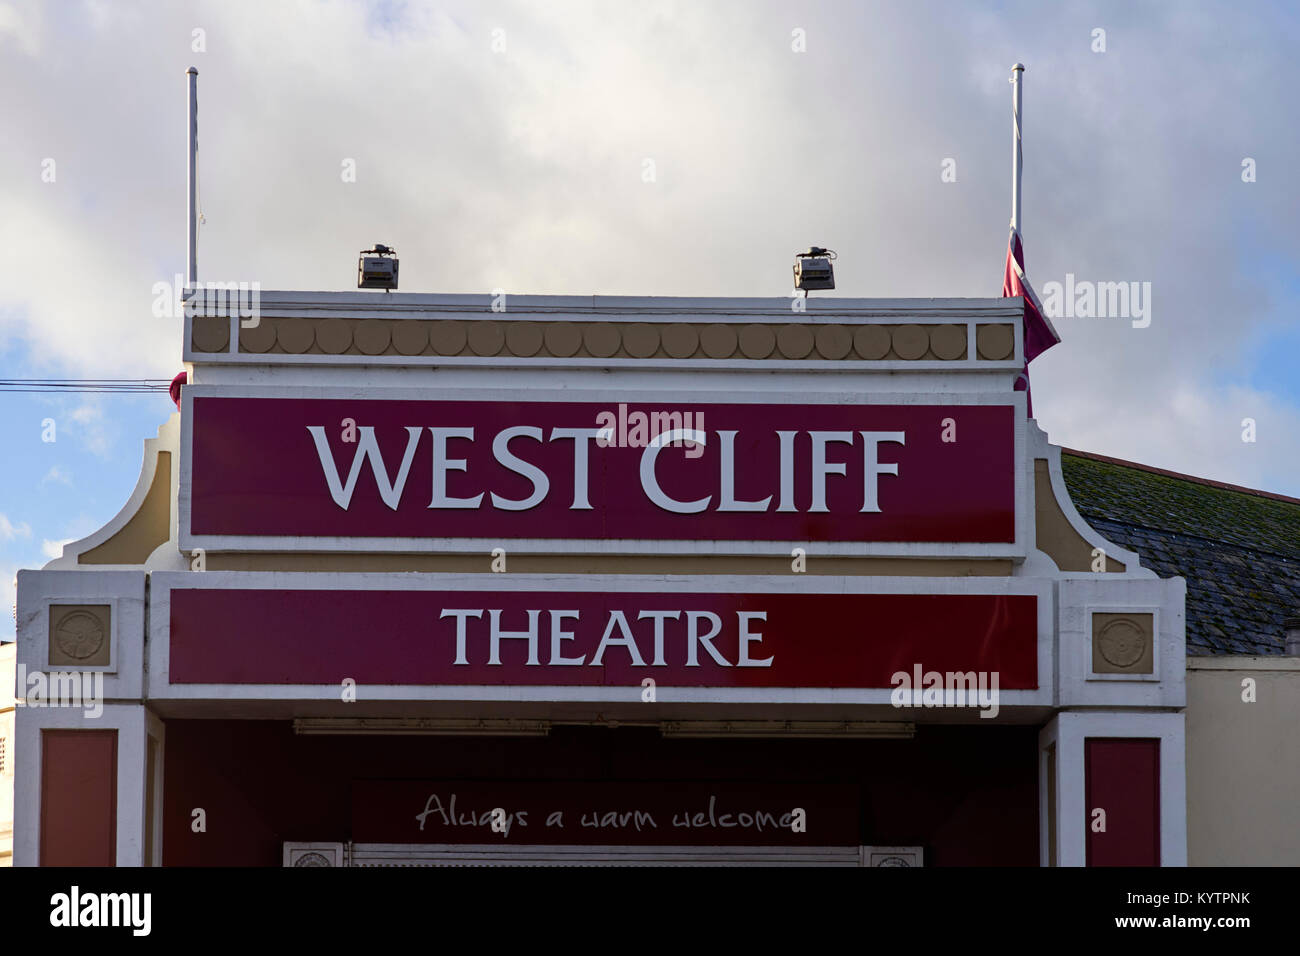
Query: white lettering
{"points": [[787, 471], [820, 468], [746, 638], [627, 640], [460, 616], [442, 464], [558, 634], [541, 484], [659, 618], [498, 635], [580, 438], [694, 639], [390, 492], [650, 482], [729, 501], [872, 468]]}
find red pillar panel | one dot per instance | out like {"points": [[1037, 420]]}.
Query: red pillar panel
{"points": [[1122, 777], [78, 798]]}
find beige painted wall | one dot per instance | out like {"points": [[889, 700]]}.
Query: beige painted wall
{"points": [[1243, 762]]}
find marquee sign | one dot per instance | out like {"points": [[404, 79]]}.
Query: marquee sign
{"points": [[608, 639], [294, 469]]}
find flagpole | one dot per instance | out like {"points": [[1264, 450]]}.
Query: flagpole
{"points": [[191, 223], [1016, 159]]}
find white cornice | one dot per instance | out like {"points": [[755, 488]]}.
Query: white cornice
{"points": [[373, 304]]}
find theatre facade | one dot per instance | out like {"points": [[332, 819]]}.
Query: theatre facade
{"points": [[419, 580]]}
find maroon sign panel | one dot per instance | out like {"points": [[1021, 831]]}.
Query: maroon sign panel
{"points": [[1123, 773], [279, 636], [659, 813], [500, 470]]}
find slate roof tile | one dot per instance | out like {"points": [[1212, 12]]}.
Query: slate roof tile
{"points": [[1238, 549]]}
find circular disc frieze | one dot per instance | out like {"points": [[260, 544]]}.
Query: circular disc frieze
{"points": [[871, 342]]}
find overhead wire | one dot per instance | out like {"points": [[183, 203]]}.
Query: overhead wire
{"points": [[109, 386]]}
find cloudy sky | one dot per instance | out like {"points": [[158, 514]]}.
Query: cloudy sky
{"points": [[507, 145]]}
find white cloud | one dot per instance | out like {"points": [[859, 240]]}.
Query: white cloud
{"points": [[523, 170], [57, 474], [20, 25], [54, 549], [9, 530], [94, 429]]}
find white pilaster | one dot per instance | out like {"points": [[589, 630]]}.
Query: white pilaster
{"points": [[131, 722], [1067, 732]]}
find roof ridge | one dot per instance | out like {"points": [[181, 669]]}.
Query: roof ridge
{"points": [[1177, 474]]}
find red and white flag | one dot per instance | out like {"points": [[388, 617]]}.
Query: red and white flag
{"points": [[1040, 335]]}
